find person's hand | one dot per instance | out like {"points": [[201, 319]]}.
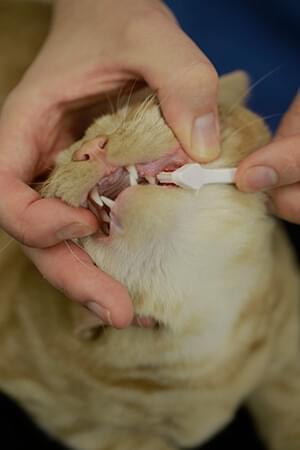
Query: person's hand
{"points": [[277, 167], [94, 47]]}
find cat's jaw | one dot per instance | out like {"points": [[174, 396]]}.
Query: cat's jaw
{"points": [[162, 239], [103, 199], [173, 272]]}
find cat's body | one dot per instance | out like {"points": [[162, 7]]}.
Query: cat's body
{"points": [[212, 268]]}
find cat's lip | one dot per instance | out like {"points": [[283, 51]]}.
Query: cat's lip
{"points": [[104, 196], [108, 217], [109, 214]]}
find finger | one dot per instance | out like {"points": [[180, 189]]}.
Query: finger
{"points": [[275, 165], [278, 163], [186, 83], [70, 269], [285, 203], [40, 222], [290, 124]]}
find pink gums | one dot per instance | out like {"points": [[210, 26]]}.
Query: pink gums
{"points": [[169, 162]]}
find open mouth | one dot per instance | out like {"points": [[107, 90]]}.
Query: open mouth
{"points": [[101, 199]]}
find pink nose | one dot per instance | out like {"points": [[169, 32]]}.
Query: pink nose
{"points": [[90, 150]]}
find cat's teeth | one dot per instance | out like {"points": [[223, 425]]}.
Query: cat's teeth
{"points": [[96, 197], [133, 175], [107, 201], [104, 216], [151, 180]]}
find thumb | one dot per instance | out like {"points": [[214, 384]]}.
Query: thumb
{"points": [[290, 123], [187, 87], [33, 221], [278, 163]]}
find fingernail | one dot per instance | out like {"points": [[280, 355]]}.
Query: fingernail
{"points": [[259, 178], [205, 137], [100, 311], [74, 230]]}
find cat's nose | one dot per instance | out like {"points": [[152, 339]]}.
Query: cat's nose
{"points": [[91, 150]]}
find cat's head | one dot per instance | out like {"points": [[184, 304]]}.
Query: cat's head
{"points": [[164, 243]]}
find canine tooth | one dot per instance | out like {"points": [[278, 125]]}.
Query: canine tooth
{"points": [[96, 197], [107, 201], [105, 217], [151, 180], [133, 175]]}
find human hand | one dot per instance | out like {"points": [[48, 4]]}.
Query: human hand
{"points": [[277, 167], [94, 48]]}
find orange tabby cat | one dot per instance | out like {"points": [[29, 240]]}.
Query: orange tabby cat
{"points": [[212, 268]]}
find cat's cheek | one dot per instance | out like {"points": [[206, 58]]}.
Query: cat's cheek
{"points": [[135, 208], [124, 202]]}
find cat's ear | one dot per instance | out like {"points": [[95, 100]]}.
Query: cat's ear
{"points": [[234, 88]]}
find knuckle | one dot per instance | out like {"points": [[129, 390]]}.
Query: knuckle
{"points": [[208, 80], [28, 231], [59, 281], [147, 19], [208, 75], [290, 164], [201, 79], [25, 234], [202, 87]]}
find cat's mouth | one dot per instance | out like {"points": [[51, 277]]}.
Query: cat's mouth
{"points": [[102, 198]]}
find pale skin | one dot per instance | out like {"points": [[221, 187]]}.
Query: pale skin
{"points": [[138, 39]]}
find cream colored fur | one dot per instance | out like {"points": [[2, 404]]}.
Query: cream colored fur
{"points": [[212, 267]]}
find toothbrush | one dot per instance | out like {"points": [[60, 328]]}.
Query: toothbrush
{"points": [[194, 176]]}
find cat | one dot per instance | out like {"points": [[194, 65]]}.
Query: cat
{"points": [[213, 268]]}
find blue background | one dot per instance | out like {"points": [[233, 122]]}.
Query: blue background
{"points": [[260, 37], [256, 36]]}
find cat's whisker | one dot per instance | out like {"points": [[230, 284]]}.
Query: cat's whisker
{"points": [[36, 183], [127, 104], [81, 261], [127, 100], [110, 102], [250, 124], [155, 125], [251, 88], [140, 113], [152, 129], [133, 123], [119, 96], [6, 245]]}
